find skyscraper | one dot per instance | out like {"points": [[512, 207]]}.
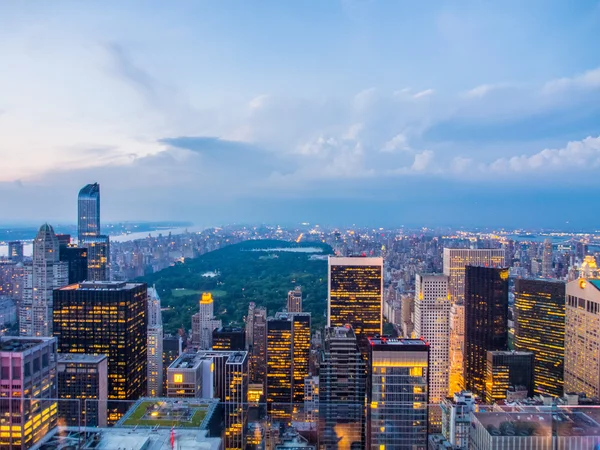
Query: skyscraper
{"points": [[342, 383], [88, 233], [486, 321], [204, 322], [582, 341], [258, 349], [456, 348], [506, 369], [172, 348], [355, 296], [229, 338], [28, 378], [294, 300], [540, 328], [432, 323], [397, 394], [15, 251], [547, 271], [155, 344], [109, 318], [77, 261], [45, 273], [288, 352]]}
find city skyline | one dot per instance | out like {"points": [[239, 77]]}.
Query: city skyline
{"points": [[304, 126]]}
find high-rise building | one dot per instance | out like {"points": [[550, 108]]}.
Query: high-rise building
{"points": [[397, 394], [45, 273], [28, 384], [288, 353], [82, 385], [204, 322], [432, 323], [15, 251], [456, 348], [547, 270], [88, 233], [155, 345], [229, 338], [109, 318], [508, 369], [77, 261], [172, 348], [355, 296], [582, 340], [258, 349], [191, 376], [540, 328], [12, 280], [294, 300], [486, 321], [456, 419], [342, 383]]}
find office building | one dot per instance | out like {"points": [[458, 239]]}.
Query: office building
{"points": [[108, 318], [540, 328], [88, 233], [172, 347], [508, 369], [342, 384], [229, 338], [456, 419], [28, 406], [12, 280], [294, 300], [15, 251], [77, 261], [288, 352], [456, 349], [155, 345], [582, 341], [355, 296], [45, 273], [397, 394], [8, 311], [547, 266], [432, 323], [191, 376], [258, 348], [82, 385], [204, 322], [486, 321]]}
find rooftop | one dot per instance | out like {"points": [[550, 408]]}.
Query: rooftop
{"points": [[79, 357], [113, 438], [187, 361], [20, 344], [170, 412], [397, 342], [101, 286]]}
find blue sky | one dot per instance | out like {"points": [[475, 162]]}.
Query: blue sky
{"points": [[355, 111]]}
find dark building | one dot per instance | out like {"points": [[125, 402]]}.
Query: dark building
{"points": [[77, 260], [229, 338], [108, 318], [342, 384], [88, 233], [486, 321], [508, 369], [397, 394], [15, 251], [64, 240], [85, 378], [172, 348], [540, 328]]}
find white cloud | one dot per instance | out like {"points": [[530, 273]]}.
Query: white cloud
{"points": [[397, 143], [425, 93], [422, 161], [586, 80]]}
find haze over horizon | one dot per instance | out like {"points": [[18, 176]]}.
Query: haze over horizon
{"points": [[350, 111]]}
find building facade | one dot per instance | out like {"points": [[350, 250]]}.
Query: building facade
{"points": [[155, 345], [77, 261], [88, 233], [294, 300], [540, 328], [258, 346], [204, 322], [456, 419], [229, 338], [508, 369], [15, 251], [486, 321]]}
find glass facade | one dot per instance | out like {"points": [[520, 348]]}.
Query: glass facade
{"points": [[506, 370], [88, 211]]}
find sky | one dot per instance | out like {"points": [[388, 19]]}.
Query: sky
{"points": [[339, 112]]}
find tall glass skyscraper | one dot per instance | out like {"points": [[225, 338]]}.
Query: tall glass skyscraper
{"points": [[88, 233]]}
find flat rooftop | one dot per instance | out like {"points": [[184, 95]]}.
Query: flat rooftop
{"points": [[20, 344], [536, 423], [189, 361], [89, 438], [170, 412], [79, 358], [101, 286], [397, 342]]}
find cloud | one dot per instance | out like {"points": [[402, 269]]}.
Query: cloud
{"points": [[424, 93], [397, 143], [587, 80], [422, 161]]}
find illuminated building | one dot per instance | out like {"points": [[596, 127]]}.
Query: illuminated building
{"points": [[204, 322], [506, 369], [456, 348], [88, 233], [12, 280], [486, 321], [288, 352], [258, 346], [294, 300], [229, 338], [28, 406], [255, 393], [172, 348], [582, 341], [85, 378], [547, 271], [456, 418], [15, 251], [45, 273], [355, 296], [75, 257], [342, 384], [397, 394], [540, 328], [191, 376], [155, 345], [108, 318]]}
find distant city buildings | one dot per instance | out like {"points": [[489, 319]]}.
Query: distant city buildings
{"points": [[294, 300], [15, 251]]}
